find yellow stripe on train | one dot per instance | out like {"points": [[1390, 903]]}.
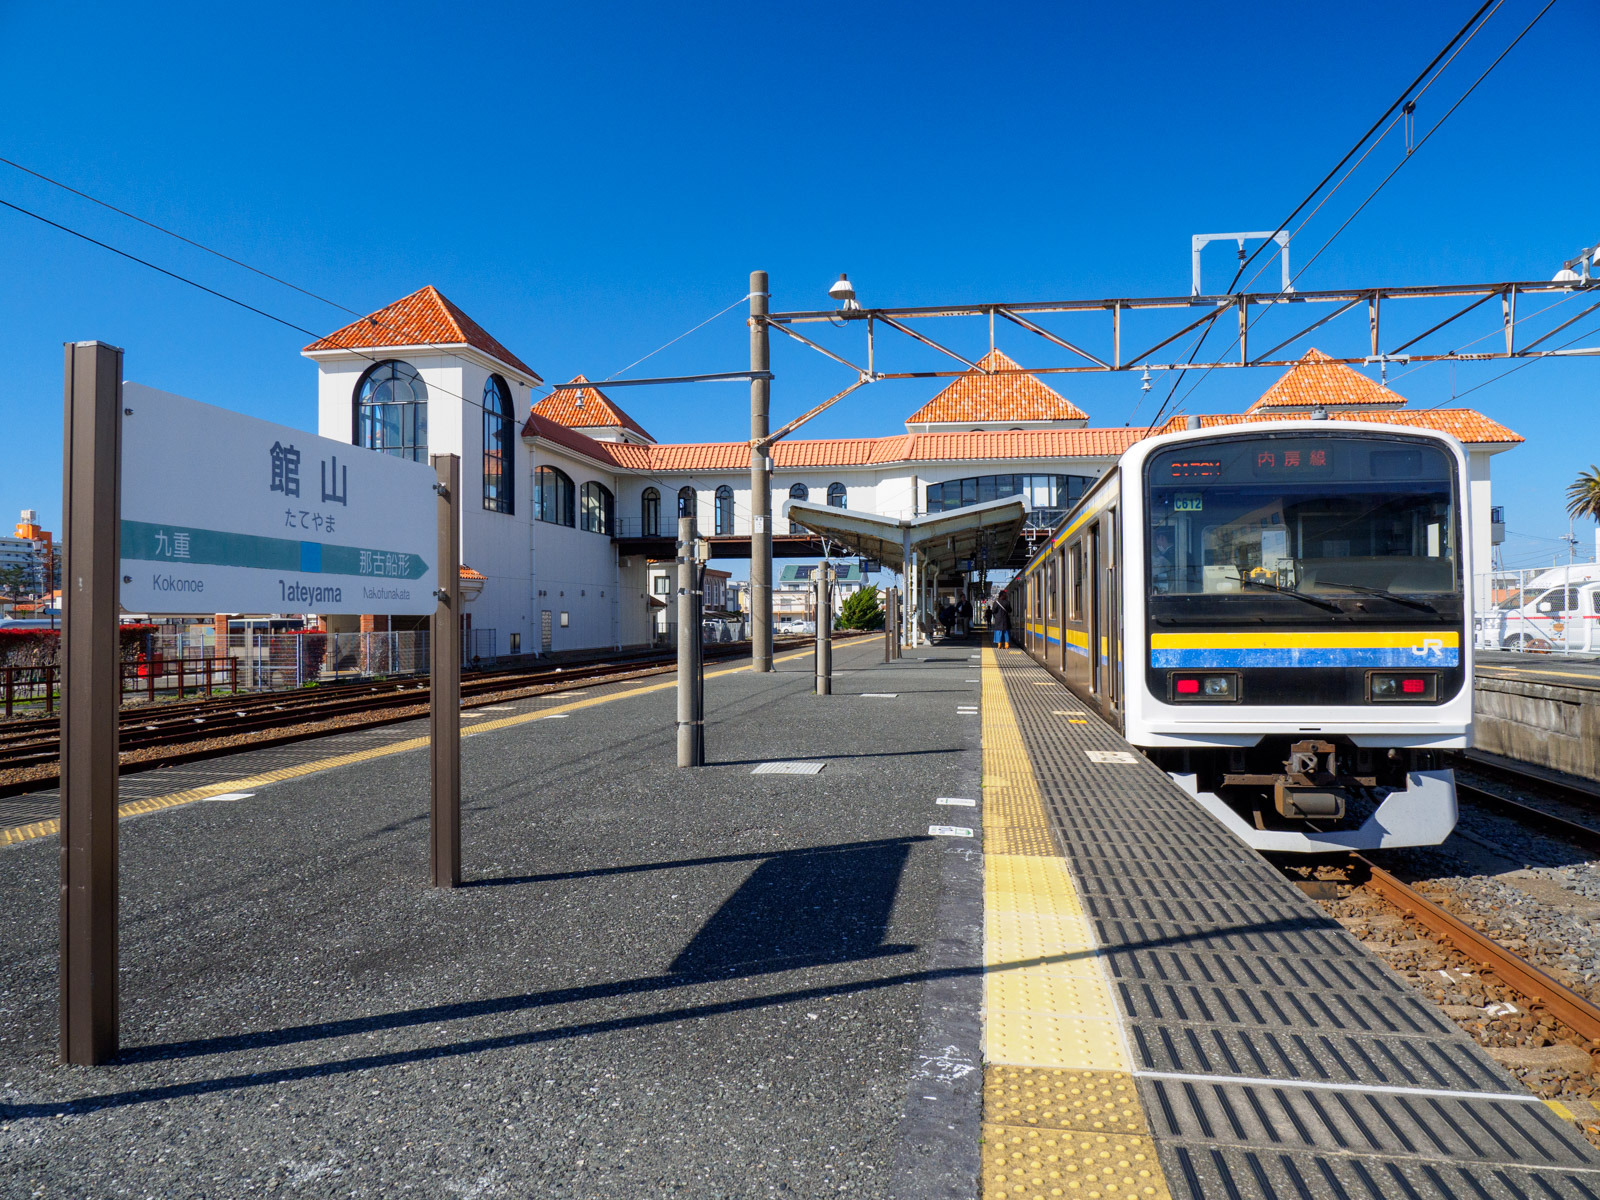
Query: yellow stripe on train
{"points": [[1303, 640]]}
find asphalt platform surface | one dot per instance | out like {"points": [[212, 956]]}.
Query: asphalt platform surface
{"points": [[658, 982]]}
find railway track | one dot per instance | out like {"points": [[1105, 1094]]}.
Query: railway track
{"points": [[1528, 981], [1537, 990], [167, 734]]}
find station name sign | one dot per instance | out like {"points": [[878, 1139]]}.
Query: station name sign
{"points": [[224, 513]]}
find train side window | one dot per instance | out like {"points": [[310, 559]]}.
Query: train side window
{"points": [[1075, 605], [1050, 590]]}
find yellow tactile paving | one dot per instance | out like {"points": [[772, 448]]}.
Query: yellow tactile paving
{"points": [[1055, 993], [1030, 1163], [1021, 942], [1061, 1112], [1088, 1101], [134, 808]]}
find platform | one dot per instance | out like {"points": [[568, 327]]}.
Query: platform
{"points": [[1540, 710], [983, 950], [1270, 1054], [656, 983]]}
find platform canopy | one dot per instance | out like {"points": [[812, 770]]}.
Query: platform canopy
{"points": [[983, 533]]}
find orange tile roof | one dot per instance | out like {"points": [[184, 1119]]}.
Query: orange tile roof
{"points": [[1461, 423], [982, 398], [583, 408], [845, 452], [580, 443], [469, 573], [1318, 380], [424, 318]]}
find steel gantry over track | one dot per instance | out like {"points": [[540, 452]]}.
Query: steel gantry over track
{"points": [[1242, 309]]}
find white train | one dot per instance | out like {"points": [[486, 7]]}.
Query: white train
{"points": [[1276, 615]]}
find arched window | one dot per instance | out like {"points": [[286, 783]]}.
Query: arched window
{"points": [[836, 496], [497, 445], [686, 502], [553, 496], [724, 509], [597, 508], [798, 491], [392, 411], [650, 513]]}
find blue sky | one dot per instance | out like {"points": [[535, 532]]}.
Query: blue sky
{"points": [[590, 181]]}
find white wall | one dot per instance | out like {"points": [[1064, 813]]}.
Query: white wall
{"points": [[575, 571], [1481, 533]]}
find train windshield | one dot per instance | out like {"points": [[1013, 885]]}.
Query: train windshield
{"points": [[1319, 519]]}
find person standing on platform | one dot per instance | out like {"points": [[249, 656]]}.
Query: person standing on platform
{"points": [[1000, 622], [964, 615]]}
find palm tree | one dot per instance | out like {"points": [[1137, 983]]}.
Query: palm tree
{"points": [[1583, 496]]}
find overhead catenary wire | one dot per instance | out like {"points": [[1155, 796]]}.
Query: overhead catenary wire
{"points": [[1410, 150], [374, 318], [1590, 332], [1361, 141], [1376, 142], [661, 480], [1305, 266], [67, 187]]}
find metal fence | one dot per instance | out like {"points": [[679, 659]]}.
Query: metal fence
{"points": [[1541, 611], [713, 630]]}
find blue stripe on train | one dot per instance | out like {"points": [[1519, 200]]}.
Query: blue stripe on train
{"points": [[1342, 656]]}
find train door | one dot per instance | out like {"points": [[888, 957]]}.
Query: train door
{"points": [[1092, 609], [1114, 616], [1059, 557]]}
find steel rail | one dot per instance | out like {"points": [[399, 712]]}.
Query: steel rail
{"points": [[486, 691], [1585, 836], [1515, 972]]}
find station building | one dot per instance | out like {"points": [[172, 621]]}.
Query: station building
{"points": [[568, 500]]}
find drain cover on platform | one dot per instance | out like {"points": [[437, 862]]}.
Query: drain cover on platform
{"points": [[880, 695], [1110, 756], [788, 768], [949, 831]]}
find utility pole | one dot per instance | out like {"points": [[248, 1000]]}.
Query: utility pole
{"points": [[824, 642], [91, 695], [760, 479], [691, 694], [444, 682], [888, 625]]}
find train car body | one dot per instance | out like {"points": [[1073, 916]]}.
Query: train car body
{"points": [[1278, 615]]}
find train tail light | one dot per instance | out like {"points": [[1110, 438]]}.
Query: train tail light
{"points": [[1401, 687], [1218, 688]]}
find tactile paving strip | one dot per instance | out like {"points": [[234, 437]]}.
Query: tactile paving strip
{"points": [[1275, 1057], [1030, 1163], [1061, 1112]]}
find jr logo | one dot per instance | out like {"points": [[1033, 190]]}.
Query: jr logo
{"points": [[1429, 646]]}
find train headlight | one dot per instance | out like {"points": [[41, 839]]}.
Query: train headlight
{"points": [[1218, 687], [1402, 687]]}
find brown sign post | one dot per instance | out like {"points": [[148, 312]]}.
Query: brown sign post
{"points": [[91, 497], [444, 682]]}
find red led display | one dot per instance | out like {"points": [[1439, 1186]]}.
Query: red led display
{"points": [[1414, 687], [1197, 469], [1280, 460], [1188, 687]]}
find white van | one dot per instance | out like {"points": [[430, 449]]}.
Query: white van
{"points": [[1551, 613]]}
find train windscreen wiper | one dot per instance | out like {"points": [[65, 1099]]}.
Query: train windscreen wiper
{"points": [[1421, 605], [1272, 587]]}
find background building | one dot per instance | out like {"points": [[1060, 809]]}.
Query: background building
{"points": [[569, 501]]}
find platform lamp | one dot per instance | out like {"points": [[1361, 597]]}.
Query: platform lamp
{"points": [[845, 293]]}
